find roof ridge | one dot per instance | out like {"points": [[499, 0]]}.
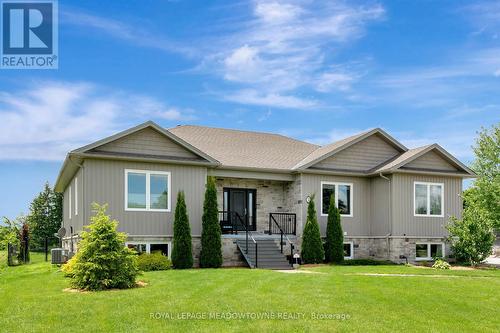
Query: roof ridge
{"points": [[245, 131]]}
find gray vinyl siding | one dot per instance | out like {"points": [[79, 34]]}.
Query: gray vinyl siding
{"points": [[380, 206], [147, 142], [105, 183], [359, 223], [76, 221], [361, 156], [405, 223], [431, 161]]}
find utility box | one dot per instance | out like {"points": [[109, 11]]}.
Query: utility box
{"points": [[59, 256]]}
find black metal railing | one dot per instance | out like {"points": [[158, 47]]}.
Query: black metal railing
{"points": [[231, 222], [273, 223], [286, 222]]}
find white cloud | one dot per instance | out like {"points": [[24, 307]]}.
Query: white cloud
{"points": [[265, 116], [134, 34], [484, 16], [254, 97], [47, 119], [334, 135], [289, 45], [275, 12]]}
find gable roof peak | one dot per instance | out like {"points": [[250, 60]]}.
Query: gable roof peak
{"points": [[333, 148]]}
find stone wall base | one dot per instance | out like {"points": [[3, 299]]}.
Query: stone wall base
{"points": [[230, 254], [391, 248]]}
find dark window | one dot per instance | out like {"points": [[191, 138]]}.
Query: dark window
{"points": [[436, 250], [421, 250], [163, 248], [347, 250], [328, 191], [344, 202]]}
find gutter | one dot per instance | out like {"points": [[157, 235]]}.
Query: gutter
{"points": [[82, 186], [390, 212]]}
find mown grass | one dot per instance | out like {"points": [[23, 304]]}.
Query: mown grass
{"points": [[32, 300]]}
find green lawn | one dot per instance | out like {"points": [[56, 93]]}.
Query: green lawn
{"points": [[32, 300]]}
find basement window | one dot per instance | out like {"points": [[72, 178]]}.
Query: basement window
{"points": [[150, 247], [429, 251], [348, 250]]}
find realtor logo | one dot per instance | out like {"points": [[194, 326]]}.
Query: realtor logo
{"points": [[29, 34]]}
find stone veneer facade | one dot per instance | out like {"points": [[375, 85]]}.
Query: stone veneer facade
{"points": [[271, 197]]}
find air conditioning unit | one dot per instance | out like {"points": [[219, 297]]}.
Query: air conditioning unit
{"points": [[59, 256]]}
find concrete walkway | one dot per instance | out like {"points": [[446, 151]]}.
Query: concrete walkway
{"points": [[493, 261]]}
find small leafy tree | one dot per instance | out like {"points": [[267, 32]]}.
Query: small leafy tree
{"points": [[472, 236], [211, 245], [9, 232], [334, 247], [182, 256], [9, 236], [103, 261], [312, 247], [45, 217], [486, 189]]}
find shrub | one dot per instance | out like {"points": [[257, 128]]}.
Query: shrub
{"points": [[68, 267], [366, 262], [472, 236], [103, 261], [334, 246], [182, 255], [211, 246], [312, 247], [153, 262], [441, 264]]}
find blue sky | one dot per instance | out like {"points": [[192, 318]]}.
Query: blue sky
{"points": [[425, 71]]}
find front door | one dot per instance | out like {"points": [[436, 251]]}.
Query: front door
{"points": [[242, 202]]}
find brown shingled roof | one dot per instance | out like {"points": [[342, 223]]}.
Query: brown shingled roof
{"points": [[245, 149]]}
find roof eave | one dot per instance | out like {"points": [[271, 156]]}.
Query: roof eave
{"points": [[424, 172]]}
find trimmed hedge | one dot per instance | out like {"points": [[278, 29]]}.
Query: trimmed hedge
{"points": [[366, 262], [153, 262]]}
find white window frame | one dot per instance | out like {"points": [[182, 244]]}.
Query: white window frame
{"points": [[428, 250], [351, 244], [148, 174], [76, 196], [428, 199], [149, 243], [69, 201], [337, 201]]}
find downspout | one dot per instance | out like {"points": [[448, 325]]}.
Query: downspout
{"points": [[390, 214], [82, 186]]}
